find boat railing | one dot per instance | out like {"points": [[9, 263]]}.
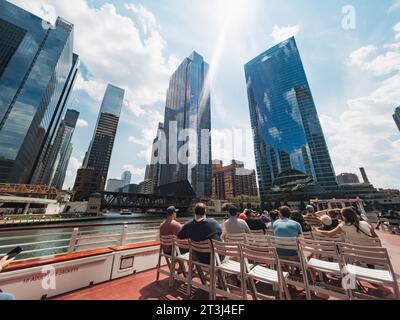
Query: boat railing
{"points": [[70, 239]]}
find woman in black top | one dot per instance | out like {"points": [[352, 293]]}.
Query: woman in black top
{"points": [[298, 217]]}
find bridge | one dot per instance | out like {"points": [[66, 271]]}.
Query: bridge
{"points": [[143, 202]]}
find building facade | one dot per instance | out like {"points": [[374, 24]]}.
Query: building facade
{"points": [[126, 177], [37, 73], [98, 156], [188, 108], [287, 132], [55, 162], [232, 181], [396, 117], [113, 185], [345, 178], [87, 182]]}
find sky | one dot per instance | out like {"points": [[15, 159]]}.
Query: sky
{"points": [[350, 51]]}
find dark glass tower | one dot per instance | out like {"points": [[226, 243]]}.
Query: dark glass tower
{"points": [[37, 73], [288, 137], [57, 159], [396, 117], [188, 107], [100, 150]]}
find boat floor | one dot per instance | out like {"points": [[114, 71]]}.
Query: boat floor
{"points": [[142, 286]]}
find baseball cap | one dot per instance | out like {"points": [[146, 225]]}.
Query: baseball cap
{"points": [[326, 220], [171, 210], [310, 208]]}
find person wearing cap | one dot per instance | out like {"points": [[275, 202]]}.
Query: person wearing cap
{"points": [[326, 223], [234, 225], [254, 223], [170, 226], [310, 217]]}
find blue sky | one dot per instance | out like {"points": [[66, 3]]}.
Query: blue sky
{"points": [[353, 74]]}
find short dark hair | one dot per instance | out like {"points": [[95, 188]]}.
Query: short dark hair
{"points": [[233, 211], [285, 211], [200, 209], [274, 214]]}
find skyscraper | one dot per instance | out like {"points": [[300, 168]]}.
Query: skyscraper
{"points": [[126, 178], [188, 107], [396, 117], [100, 150], [37, 73], [153, 170], [288, 138], [56, 160]]}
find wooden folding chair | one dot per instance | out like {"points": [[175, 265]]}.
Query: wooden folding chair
{"points": [[323, 258], [257, 231], [322, 237], [313, 221], [204, 271], [232, 265], [365, 242], [267, 269], [370, 265], [308, 235], [260, 240], [230, 237], [181, 257], [166, 241]]}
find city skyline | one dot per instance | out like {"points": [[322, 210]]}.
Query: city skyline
{"points": [[376, 145]]}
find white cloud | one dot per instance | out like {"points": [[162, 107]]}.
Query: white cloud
{"points": [[73, 166], [382, 64], [395, 6], [82, 123], [283, 33]]}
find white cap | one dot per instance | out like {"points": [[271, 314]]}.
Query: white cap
{"points": [[326, 220]]}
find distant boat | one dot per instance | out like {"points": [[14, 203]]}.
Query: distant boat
{"points": [[126, 212]]}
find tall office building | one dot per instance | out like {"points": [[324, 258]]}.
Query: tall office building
{"points": [[126, 178], [37, 73], [56, 160], [396, 117], [347, 178], [288, 138], [153, 170], [188, 107], [100, 150]]}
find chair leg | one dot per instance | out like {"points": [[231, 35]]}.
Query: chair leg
{"points": [[189, 280], [171, 273], [158, 268], [244, 287]]}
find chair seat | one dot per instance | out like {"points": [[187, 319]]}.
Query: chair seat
{"points": [[322, 265], [266, 274], [369, 274], [184, 256], [230, 266]]}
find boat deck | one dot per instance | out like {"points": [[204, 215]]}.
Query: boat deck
{"points": [[143, 286]]}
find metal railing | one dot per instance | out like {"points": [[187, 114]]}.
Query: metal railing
{"points": [[47, 241]]}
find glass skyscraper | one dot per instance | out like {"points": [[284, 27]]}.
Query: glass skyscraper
{"points": [[188, 107], [100, 150], [37, 73], [288, 138], [126, 178], [396, 117]]}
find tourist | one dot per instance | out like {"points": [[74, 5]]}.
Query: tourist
{"points": [[244, 214], [297, 216], [234, 225], [200, 229], [265, 217], [335, 216], [254, 223], [286, 228], [326, 223], [170, 227], [273, 215], [4, 263], [311, 217], [353, 228]]}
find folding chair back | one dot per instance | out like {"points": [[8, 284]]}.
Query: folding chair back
{"points": [[259, 240], [371, 265], [308, 235], [240, 237], [322, 237], [257, 231], [312, 221], [166, 242], [181, 256], [267, 269], [365, 242]]}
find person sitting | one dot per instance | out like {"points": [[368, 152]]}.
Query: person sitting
{"points": [[335, 216], [265, 217], [326, 223], [234, 225], [170, 227], [254, 223], [286, 228], [296, 216], [4, 263], [273, 215], [244, 214], [200, 229], [353, 228], [310, 217]]}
